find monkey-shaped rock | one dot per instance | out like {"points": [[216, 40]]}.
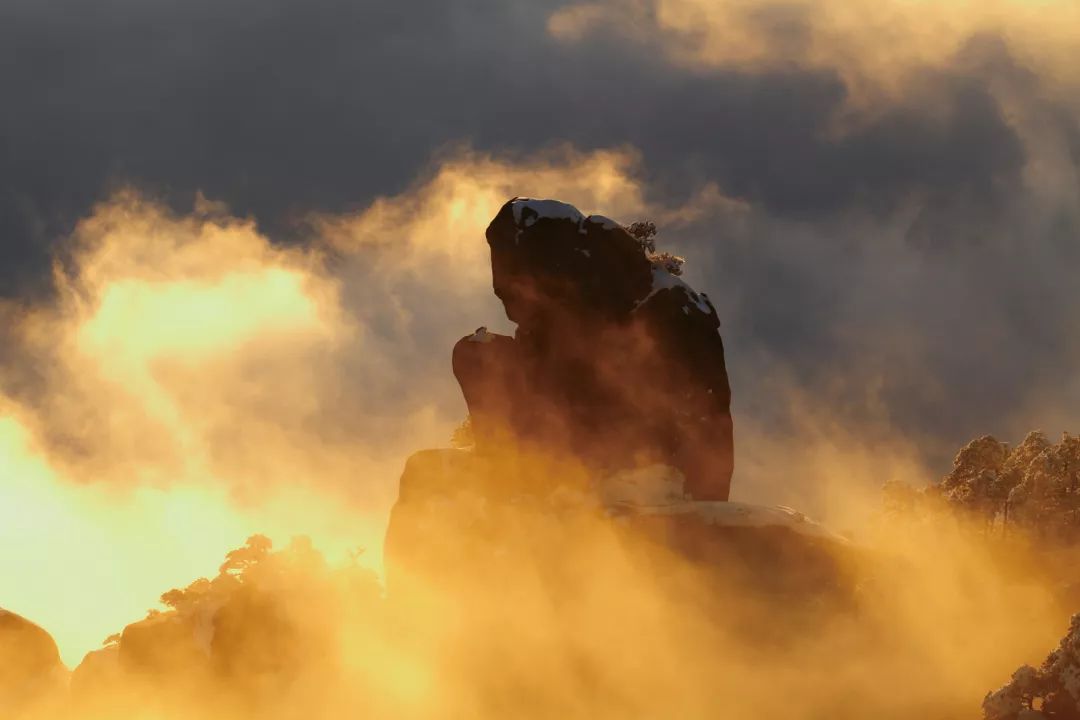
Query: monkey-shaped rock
{"points": [[615, 361]]}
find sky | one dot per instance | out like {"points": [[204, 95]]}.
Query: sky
{"points": [[237, 240]]}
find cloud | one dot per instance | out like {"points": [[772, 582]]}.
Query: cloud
{"points": [[186, 377], [872, 44], [291, 107], [880, 198]]}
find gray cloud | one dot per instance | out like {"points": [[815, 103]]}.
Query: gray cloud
{"points": [[288, 105], [916, 245]]}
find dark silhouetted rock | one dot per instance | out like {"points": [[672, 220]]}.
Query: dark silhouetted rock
{"points": [[616, 368], [615, 361], [603, 423]]}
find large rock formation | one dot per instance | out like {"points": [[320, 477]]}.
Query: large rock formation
{"points": [[615, 360], [456, 526], [610, 401]]}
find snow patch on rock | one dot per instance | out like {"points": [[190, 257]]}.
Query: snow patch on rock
{"points": [[528, 211], [605, 223], [662, 279], [657, 490]]}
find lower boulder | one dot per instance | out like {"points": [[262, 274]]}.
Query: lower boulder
{"points": [[448, 530], [30, 668]]}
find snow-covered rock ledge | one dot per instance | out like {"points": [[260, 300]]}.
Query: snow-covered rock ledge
{"points": [[657, 491]]}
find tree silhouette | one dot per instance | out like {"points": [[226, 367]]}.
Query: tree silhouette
{"points": [[644, 231]]}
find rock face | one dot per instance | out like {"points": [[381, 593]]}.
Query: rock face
{"points": [[448, 529], [615, 360], [603, 422], [30, 667]]}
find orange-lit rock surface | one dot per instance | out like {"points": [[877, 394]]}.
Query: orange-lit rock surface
{"points": [[608, 411], [30, 667]]}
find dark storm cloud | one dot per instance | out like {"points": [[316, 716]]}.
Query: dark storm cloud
{"points": [[282, 106], [278, 107]]}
